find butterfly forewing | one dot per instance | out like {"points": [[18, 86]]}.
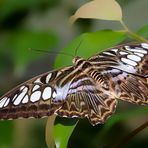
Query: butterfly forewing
{"points": [[89, 89], [37, 97], [129, 58]]}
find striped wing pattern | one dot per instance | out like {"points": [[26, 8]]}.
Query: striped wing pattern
{"points": [[37, 97], [127, 68], [88, 89], [85, 99]]}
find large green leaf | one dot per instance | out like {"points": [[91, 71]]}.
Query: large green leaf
{"points": [[6, 136], [63, 131], [60, 132], [140, 110], [87, 44], [143, 31]]}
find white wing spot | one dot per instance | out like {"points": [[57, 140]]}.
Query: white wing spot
{"points": [[54, 94], [14, 97], [7, 102], [26, 99], [123, 53], [46, 93], [37, 81], [22, 87], [134, 58], [139, 54], [127, 68], [48, 77], [35, 96], [115, 50], [59, 72], [129, 62], [20, 97], [140, 50], [2, 101], [35, 87], [144, 45], [108, 53], [64, 115], [74, 116]]}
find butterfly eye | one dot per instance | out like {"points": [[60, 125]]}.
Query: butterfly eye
{"points": [[77, 60]]}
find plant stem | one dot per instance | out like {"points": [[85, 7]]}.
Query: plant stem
{"points": [[49, 131], [130, 135], [132, 34]]}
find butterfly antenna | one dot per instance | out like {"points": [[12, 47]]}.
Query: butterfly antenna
{"points": [[76, 50], [49, 52]]}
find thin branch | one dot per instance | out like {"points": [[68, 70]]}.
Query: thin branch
{"points": [[132, 34], [130, 135]]}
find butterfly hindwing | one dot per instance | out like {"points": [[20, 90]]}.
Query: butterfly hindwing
{"points": [[128, 87], [132, 88], [85, 99]]}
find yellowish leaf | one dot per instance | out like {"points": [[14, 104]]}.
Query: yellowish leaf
{"points": [[49, 131], [99, 9]]}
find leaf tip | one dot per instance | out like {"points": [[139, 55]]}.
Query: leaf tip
{"points": [[72, 19]]}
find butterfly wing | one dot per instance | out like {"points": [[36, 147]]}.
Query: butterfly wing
{"points": [[127, 70], [58, 92], [131, 58], [85, 99], [133, 89], [37, 97], [121, 72]]}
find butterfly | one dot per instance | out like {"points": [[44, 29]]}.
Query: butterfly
{"points": [[91, 88]]}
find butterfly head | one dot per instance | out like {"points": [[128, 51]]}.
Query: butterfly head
{"points": [[77, 59]]}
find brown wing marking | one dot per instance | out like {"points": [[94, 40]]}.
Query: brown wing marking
{"points": [[128, 87], [134, 89], [14, 105], [85, 100]]}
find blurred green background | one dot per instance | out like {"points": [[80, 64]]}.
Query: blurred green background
{"points": [[43, 24]]}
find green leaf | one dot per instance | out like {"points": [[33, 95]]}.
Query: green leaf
{"points": [[60, 133], [119, 117], [143, 31], [63, 131], [6, 136], [89, 44], [141, 110], [99, 9]]}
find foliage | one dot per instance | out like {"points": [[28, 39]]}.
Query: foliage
{"points": [[18, 35]]}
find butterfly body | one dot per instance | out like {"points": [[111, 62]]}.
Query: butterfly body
{"points": [[89, 89]]}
